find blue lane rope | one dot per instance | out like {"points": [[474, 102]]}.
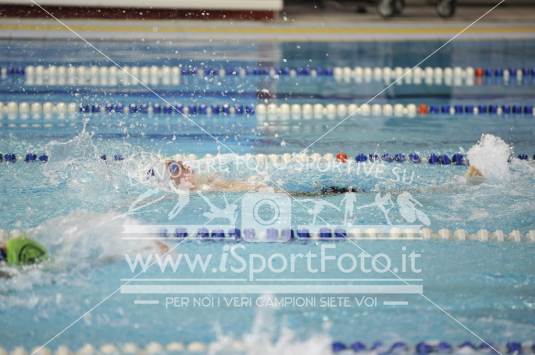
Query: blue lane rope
{"points": [[272, 111], [511, 347], [398, 347], [192, 109], [278, 111], [218, 71], [302, 234], [415, 158], [286, 70], [225, 109]]}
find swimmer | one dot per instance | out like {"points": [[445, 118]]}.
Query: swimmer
{"points": [[181, 175], [473, 172], [178, 171], [21, 250], [473, 175]]}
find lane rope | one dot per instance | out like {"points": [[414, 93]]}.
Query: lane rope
{"points": [[96, 75], [323, 233], [276, 112], [265, 112], [274, 159], [421, 348], [340, 233]]}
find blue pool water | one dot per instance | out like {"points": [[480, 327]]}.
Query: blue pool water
{"points": [[77, 203]]}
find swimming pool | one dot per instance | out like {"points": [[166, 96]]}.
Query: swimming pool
{"points": [[98, 138]]}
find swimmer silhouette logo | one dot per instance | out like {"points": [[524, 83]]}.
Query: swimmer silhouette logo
{"points": [[382, 203], [348, 201], [228, 212], [408, 207], [408, 210], [406, 204], [317, 206]]}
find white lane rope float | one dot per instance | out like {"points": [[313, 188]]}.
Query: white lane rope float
{"points": [[442, 159], [423, 347], [340, 233], [154, 75], [13, 110]]}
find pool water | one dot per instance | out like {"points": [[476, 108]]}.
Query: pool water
{"points": [[77, 204]]}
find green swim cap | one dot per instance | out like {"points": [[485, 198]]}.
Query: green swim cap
{"points": [[24, 251]]}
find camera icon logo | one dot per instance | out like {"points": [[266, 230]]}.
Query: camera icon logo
{"points": [[266, 217]]}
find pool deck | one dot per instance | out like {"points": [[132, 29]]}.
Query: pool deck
{"points": [[294, 24]]}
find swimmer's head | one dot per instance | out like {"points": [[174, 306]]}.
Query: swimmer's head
{"points": [[177, 169]]}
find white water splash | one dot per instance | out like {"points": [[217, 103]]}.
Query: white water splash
{"points": [[490, 156], [76, 242], [68, 157], [87, 237], [268, 338]]}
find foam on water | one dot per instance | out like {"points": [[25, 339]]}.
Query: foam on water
{"points": [[65, 157], [502, 199], [491, 157], [88, 237], [266, 337], [76, 242]]}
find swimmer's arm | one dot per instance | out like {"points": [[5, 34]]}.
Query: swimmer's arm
{"points": [[473, 171], [162, 247], [239, 186]]}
